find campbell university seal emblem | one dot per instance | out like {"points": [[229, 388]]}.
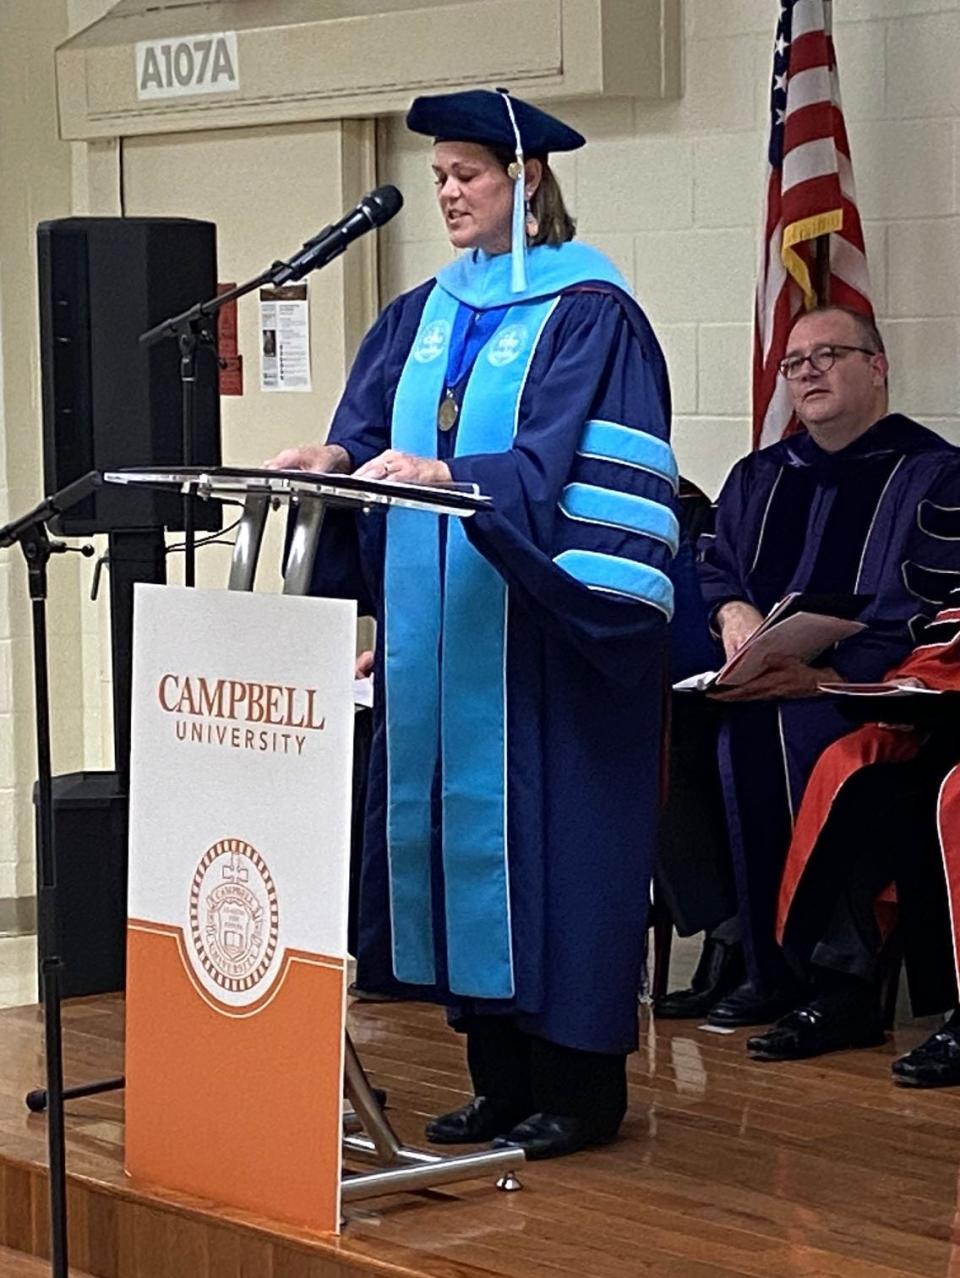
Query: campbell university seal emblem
{"points": [[234, 915], [432, 342], [507, 345]]}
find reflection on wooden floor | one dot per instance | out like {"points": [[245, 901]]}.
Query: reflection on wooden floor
{"points": [[819, 1168]]}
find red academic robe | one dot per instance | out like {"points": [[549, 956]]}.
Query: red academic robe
{"points": [[936, 662]]}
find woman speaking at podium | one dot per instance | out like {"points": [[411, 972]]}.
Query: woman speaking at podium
{"points": [[515, 766]]}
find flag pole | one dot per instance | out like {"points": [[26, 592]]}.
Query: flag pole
{"points": [[821, 245]]}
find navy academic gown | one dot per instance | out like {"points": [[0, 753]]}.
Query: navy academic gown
{"points": [[794, 517], [584, 671]]}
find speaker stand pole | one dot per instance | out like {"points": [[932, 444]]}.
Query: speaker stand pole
{"points": [[136, 555], [189, 335], [191, 332]]}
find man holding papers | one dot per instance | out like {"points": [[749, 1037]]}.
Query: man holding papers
{"points": [[799, 627], [860, 502]]}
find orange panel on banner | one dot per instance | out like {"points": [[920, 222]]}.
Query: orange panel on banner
{"points": [[228, 1106]]}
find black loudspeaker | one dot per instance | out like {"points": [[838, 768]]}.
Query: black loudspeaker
{"points": [[90, 854], [107, 403]]}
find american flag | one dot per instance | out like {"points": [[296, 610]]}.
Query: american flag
{"points": [[810, 192]]}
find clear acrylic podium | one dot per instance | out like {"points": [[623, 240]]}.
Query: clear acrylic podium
{"points": [[368, 1133]]}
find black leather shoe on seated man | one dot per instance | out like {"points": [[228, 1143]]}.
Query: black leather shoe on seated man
{"points": [[553, 1135], [479, 1120], [748, 1004], [823, 1025], [936, 1062], [719, 971]]}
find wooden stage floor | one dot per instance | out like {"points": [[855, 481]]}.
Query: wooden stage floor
{"points": [[820, 1169]]}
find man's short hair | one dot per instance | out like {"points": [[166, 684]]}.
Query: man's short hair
{"points": [[866, 328]]}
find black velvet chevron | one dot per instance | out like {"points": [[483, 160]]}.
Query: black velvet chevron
{"points": [[929, 584], [942, 522]]}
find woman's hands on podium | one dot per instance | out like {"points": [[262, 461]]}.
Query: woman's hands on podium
{"points": [[324, 459], [363, 667], [405, 468], [391, 464]]}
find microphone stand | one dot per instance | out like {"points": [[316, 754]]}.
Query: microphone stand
{"points": [[196, 327], [30, 533]]}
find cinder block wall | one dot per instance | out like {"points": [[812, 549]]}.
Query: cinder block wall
{"points": [[674, 194], [35, 173]]}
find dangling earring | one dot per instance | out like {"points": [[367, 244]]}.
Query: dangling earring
{"points": [[531, 225]]}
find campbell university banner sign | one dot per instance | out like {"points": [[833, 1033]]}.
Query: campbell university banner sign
{"points": [[239, 856]]}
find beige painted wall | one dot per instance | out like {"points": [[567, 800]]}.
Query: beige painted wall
{"points": [[40, 177], [34, 184], [671, 191]]}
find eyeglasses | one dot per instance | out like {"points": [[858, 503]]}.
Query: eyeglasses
{"points": [[821, 358]]}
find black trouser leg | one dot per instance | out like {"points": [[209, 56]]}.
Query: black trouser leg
{"points": [[498, 1057], [882, 828], [832, 923], [851, 943], [532, 1075], [923, 906], [576, 1084], [693, 865], [756, 794]]}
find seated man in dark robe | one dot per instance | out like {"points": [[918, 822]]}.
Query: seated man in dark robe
{"points": [[877, 845], [835, 508]]}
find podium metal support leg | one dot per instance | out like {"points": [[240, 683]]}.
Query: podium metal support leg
{"points": [[303, 546], [367, 1107], [436, 1171], [246, 547], [407, 1168]]}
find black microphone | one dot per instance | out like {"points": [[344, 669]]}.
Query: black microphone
{"points": [[373, 210]]}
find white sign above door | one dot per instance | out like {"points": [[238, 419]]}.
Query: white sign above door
{"points": [[183, 66]]}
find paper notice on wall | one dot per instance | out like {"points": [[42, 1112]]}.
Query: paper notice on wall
{"points": [[285, 339]]}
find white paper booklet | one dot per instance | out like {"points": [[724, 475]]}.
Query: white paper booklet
{"points": [[803, 635], [890, 688]]}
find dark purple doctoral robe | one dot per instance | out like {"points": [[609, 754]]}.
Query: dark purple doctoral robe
{"points": [[793, 517]]}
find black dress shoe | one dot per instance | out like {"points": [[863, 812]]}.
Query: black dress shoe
{"points": [[817, 1028], [936, 1062], [371, 996], [748, 1004], [553, 1135], [719, 971], [479, 1120]]}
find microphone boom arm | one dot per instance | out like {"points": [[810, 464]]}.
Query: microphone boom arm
{"points": [[195, 326], [371, 213]]}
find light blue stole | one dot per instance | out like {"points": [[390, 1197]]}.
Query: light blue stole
{"points": [[445, 639]]}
